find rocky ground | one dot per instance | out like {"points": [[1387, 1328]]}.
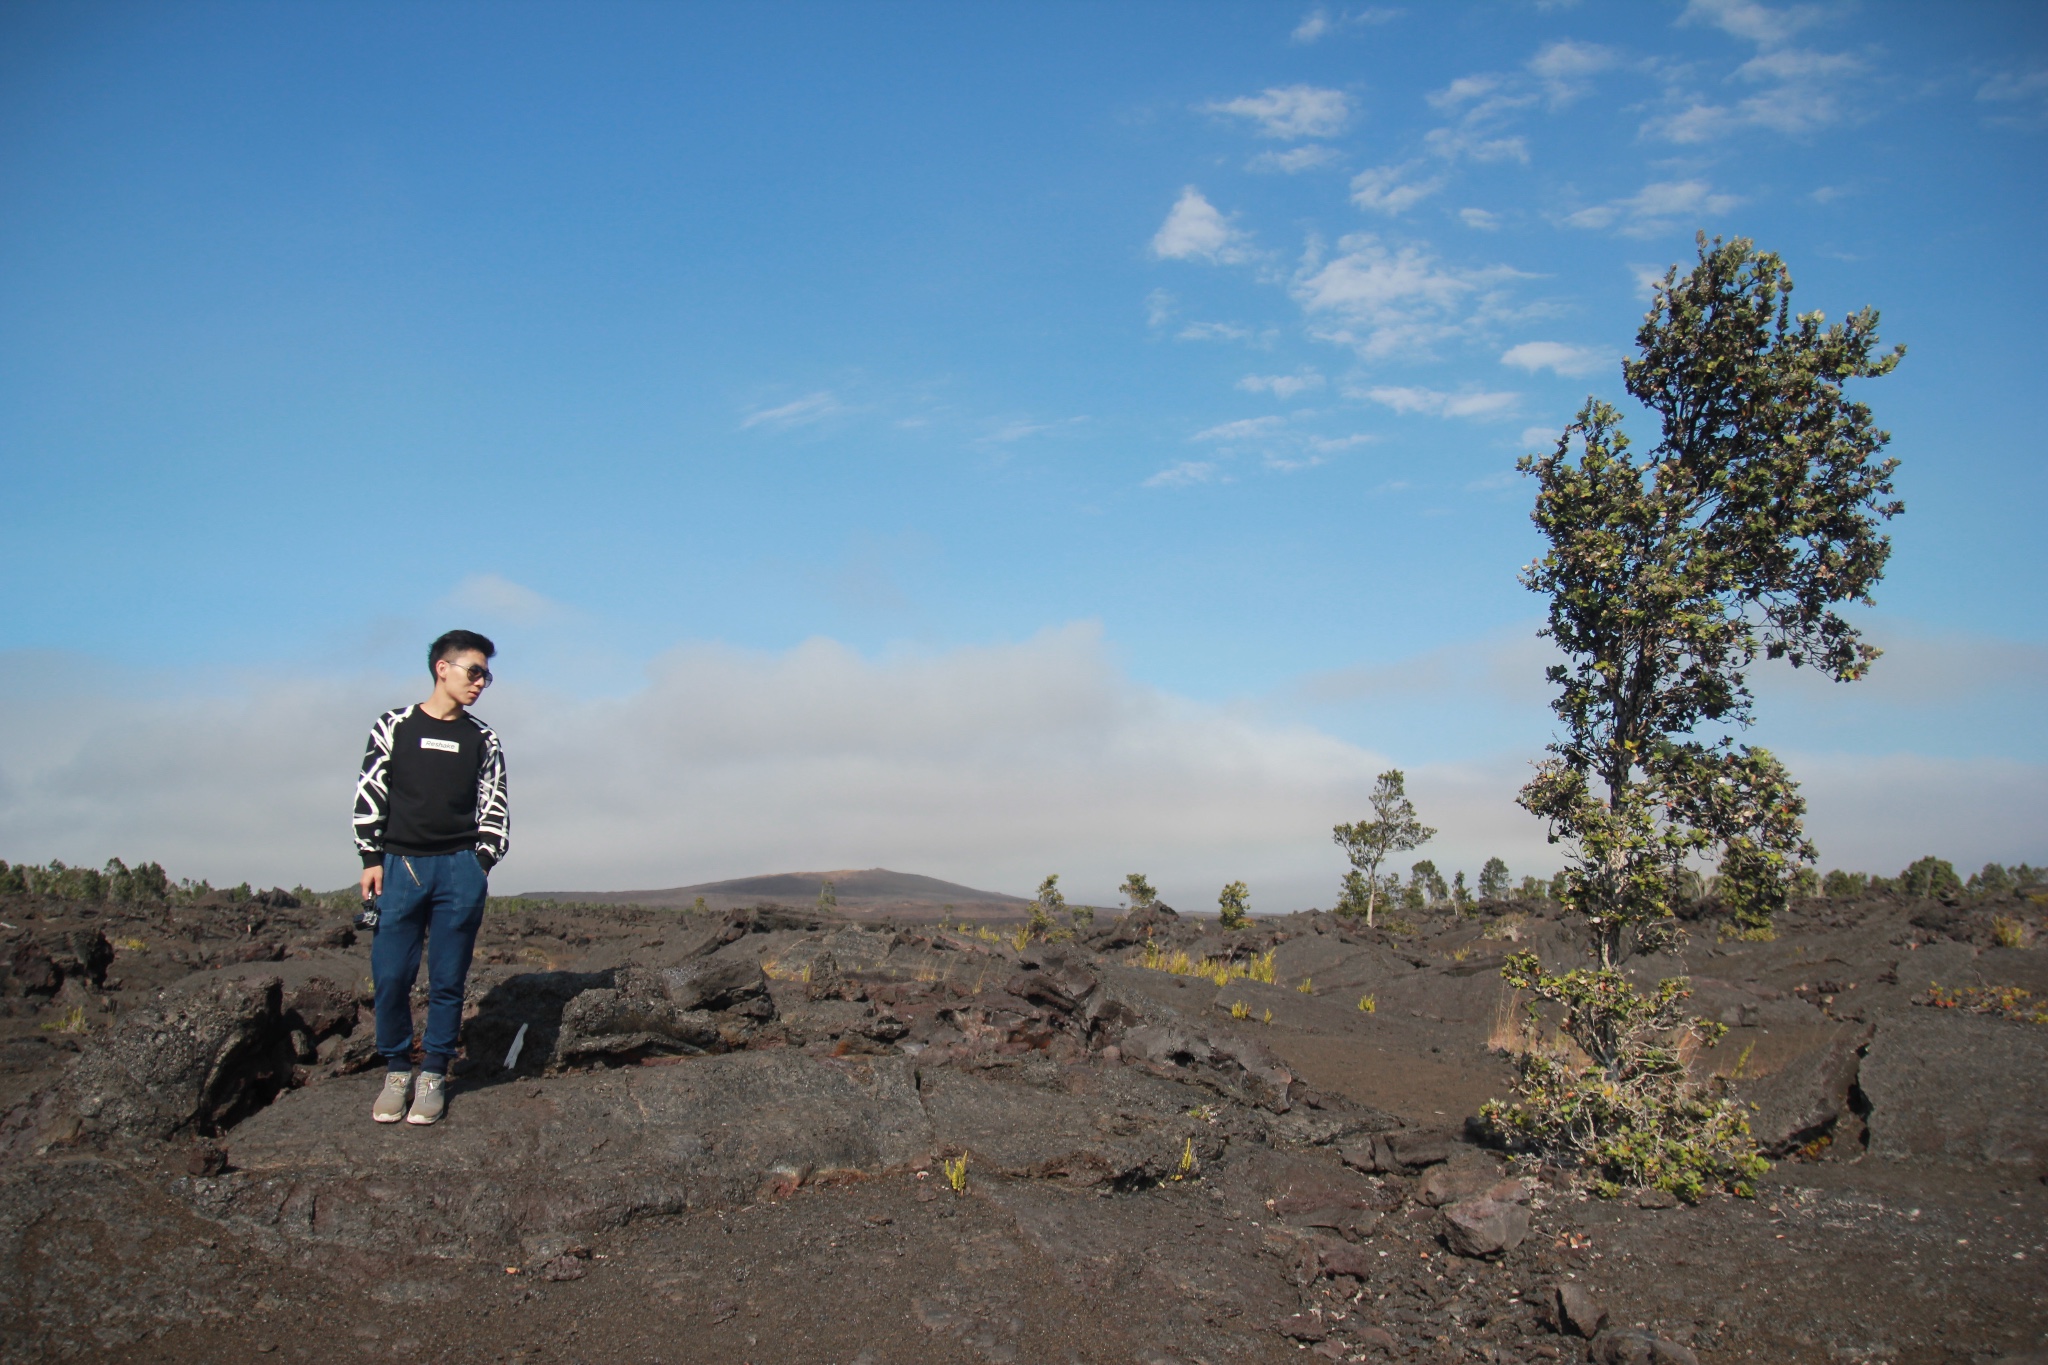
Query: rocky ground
{"points": [[768, 1136]]}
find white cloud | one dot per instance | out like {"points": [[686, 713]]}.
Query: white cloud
{"points": [[1454, 143], [1463, 91], [1481, 219], [1471, 403], [1540, 438], [1314, 26], [1759, 24], [1183, 474], [1242, 430], [1647, 278], [1389, 190], [1214, 331], [1319, 23], [2020, 98], [1563, 67], [1294, 111], [1382, 301], [815, 407], [1281, 386], [1195, 231], [1807, 91], [1555, 356], [1294, 160], [1007, 433], [493, 595], [1158, 308], [1657, 207]]}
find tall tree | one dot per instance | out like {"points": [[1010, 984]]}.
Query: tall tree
{"points": [[1757, 513], [1393, 829], [1494, 880], [1138, 891]]}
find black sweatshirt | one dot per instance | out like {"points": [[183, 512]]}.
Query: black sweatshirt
{"points": [[430, 787]]}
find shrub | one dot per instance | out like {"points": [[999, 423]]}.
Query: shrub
{"points": [[1233, 906], [1629, 1112]]}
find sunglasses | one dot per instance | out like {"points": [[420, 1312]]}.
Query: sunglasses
{"points": [[476, 673]]}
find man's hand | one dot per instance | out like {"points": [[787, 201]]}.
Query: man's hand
{"points": [[373, 881]]}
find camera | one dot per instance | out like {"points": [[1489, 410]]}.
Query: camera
{"points": [[366, 918]]}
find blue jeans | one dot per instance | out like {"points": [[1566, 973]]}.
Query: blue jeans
{"points": [[438, 902]]}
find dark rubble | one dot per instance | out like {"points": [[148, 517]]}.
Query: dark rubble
{"points": [[729, 1138]]}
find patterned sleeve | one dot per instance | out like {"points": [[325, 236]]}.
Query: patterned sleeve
{"points": [[372, 788], [493, 803]]}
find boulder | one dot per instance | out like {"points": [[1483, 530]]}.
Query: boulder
{"points": [[34, 971], [1577, 1312], [198, 1065], [1946, 1086], [1620, 1346], [714, 984], [1344, 1258], [1484, 1227], [1808, 1096], [1448, 1184], [634, 1015]]}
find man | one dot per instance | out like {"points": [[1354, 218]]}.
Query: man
{"points": [[431, 821]]}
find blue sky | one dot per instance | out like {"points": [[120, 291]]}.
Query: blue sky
{"points": [[985, 439]]}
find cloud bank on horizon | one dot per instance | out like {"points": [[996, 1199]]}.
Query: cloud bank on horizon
{"points": [[783, 465]]}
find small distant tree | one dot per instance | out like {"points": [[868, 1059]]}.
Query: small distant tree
{"points": [[1993, 878], [828, 899], [1928, 878], [1047, 903], [1494, 882], [1233, 906], [1461, 898], [1842, 886], [1138, 891], [1426, 886], [1393, 829]]}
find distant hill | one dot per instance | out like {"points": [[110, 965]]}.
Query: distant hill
{"points": [[863, 893]]}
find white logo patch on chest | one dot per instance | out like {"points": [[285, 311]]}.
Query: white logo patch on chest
{"points": [[446, 746]]}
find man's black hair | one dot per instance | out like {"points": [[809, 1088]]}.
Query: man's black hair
{"points": [[456, 642]]}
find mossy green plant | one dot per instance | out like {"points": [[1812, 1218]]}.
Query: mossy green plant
{"points": [[1624, 1107]]}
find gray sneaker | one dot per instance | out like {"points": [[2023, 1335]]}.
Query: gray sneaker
{"points": [[390, 1105], [429, 1098]]}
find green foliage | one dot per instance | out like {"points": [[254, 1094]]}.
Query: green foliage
{"points": [[1993, 878], [1461, 897], [1840, 885], [142, 884], [1044, 906], [1928, 878], [1533, 889], [828, 899], [1425, 887], [1233, 906], [1138, 891], [1629, 1112], [1756, 515], [1494, 882], [1393, 829]]}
